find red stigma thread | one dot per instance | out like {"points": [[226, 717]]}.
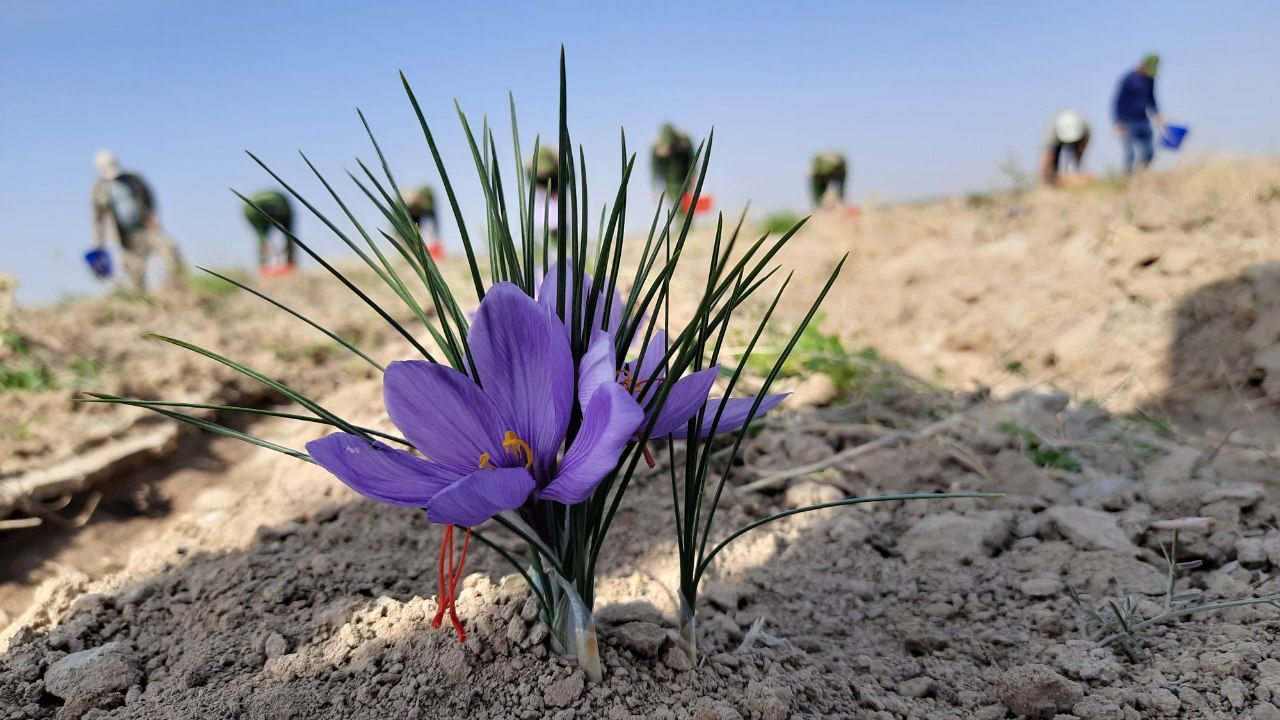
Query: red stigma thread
{"points": [[648, 456], [448, 576]]}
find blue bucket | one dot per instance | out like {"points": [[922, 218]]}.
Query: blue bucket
{"points": [[99, 262], [1172, 136]]}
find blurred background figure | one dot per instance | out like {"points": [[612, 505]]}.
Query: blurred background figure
{"points": [[8, 287], [672, 161], [421, 203], [272, 205], [1135, 108], [827, 173], [123, 203], [1062, 153], [544, 172]]}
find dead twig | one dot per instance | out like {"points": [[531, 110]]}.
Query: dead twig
{"points": [[880, 443]]}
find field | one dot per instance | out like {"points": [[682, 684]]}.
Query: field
{"points": [[1107, 356]]}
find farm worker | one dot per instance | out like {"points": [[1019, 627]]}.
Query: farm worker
{"points": [[672, 160], [1135, 108], [827, 174], [274, 206], [546, 201], [421, 203], [122, 203], [1064, 145]]}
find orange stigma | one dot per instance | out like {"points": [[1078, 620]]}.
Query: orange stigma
{"points": [[448, 576], [513, 444]]}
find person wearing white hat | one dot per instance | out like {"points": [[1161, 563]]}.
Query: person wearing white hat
{"points": [[1064, 146], [123, 204]]}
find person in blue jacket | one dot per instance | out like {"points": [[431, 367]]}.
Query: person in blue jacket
{"points": [[1134, 110]]}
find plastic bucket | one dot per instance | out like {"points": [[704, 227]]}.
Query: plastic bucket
{"points": [[1172, 136], [99, 261]]}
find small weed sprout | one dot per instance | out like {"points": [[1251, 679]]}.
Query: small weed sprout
{"points": [[1119, 622], [1040, 452]]}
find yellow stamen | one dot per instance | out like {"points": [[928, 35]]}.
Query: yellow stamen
{"points": [[485, 462], [512, 443]]}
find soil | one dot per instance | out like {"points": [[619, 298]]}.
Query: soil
{"points": [[275, 592]]}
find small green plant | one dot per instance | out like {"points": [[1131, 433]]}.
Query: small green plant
{"points": [[1119, 622], [1271, 194], [87, 371], [1015, 367], [978, 200], [1040, 453], [214, 285], [819, 352], [22, 370], [779, 222]]}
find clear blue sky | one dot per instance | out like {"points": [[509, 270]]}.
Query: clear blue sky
{"points": [[926, 98]]}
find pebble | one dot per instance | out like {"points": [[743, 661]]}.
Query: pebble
{"points": [[92, 673], [1041, 587], [1036, 689], [642, 638]]}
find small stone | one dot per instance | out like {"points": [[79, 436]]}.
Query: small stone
{"points": [[90, 674], [1250, 551], [517, 630], [537, 633], [563, 692], [677, 660], [1233, 690], [1265, 711], [815, 389], [529, 611], [811, 492], [1095, 707], [952, 537], [1164, 702], [642, 638], [917, 687], [1241, 495], [275, 645], [724, 595], [1036, 689], [1089, 529], [1041, 587]]}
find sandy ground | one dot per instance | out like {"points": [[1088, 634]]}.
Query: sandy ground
{"points": [[266, 589]]}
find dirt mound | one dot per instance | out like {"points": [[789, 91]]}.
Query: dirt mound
{"points": [[1086, 289]]}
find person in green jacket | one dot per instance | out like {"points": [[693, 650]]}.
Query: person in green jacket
{"points": [[827, 175], [274, 207], [672, 161]]}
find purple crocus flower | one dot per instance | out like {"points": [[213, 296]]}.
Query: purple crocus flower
{"points": [[687, 395], [489, 446]]}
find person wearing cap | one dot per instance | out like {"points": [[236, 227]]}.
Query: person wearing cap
{"points": [[1134, 110], [827, 173], [123, 205], [1064, 146], [273, 210]]}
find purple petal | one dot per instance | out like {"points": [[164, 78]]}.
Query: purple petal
{"points": [[687, 396], [651, 363], [378, 471], [548, 297], [735, 414], [597, 367], [443, 413], [481, 495], [610, 421], [525, 367]]}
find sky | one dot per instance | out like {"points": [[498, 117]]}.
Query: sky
{"points": [[926, 98]]}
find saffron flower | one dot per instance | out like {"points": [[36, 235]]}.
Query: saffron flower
{"points": [[687, 396], [491, 442]]}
